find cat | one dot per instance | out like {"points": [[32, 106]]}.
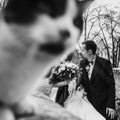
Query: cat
{"points": [[33, 34]]}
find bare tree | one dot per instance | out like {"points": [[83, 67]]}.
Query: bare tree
{"points": [[111, 22], [88, 19], [102, 25]]}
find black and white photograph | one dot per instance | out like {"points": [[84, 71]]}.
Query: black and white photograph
{"points": [[59, 60]]}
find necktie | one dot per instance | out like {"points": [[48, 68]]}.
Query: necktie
{"points": [[90, 70]]}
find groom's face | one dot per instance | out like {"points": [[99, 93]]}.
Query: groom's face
{"points": [[84, 52]]}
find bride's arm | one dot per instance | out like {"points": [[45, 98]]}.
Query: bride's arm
{"points": [[60, 84]]}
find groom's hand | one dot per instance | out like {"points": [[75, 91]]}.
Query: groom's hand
{"points": [[111, 113], [72, 86]]}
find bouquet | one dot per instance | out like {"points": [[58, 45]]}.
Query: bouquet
{"points": [[65, 71]]}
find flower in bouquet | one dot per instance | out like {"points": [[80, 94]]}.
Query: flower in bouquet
{"points": [[65, 71]]}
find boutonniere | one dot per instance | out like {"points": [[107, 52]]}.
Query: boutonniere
{"points": [[87, 68]]}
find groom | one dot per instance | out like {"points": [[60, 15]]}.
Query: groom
{"points": [[98, 81]]}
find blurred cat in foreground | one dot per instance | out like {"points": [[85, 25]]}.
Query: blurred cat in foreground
{"points": [[34, 33]]}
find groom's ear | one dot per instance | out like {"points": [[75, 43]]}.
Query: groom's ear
{"points": [[83, 5], [90, 52]]}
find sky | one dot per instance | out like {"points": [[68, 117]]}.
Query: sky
{"points": [[111, 3]]}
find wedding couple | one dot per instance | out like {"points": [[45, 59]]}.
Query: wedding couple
{"points": [[98, 82]]}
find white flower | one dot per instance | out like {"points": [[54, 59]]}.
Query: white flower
{"points": [[73, 71], [62, 68], [87, 67]]}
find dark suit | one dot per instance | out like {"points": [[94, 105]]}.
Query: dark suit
{"points": [[100, 87]]}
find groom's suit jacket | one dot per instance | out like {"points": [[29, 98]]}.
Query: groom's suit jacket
{"points": [[100, 87]]}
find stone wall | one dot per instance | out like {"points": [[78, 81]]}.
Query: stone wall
{"points": [[45, 108], [116, 72]]}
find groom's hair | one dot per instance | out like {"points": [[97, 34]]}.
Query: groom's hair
{"points": [[90, 45]]}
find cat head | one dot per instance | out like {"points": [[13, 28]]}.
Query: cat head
{"points": [[54, 25]]}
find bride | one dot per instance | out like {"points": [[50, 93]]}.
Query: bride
{"points": [[78, 104]]}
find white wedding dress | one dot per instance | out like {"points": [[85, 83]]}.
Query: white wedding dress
{"points": [[81, 107]]}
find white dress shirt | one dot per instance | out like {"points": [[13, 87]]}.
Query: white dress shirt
{"points": [[91, 68]]}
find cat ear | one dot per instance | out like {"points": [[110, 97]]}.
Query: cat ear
{"points": [[83, 5]]}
